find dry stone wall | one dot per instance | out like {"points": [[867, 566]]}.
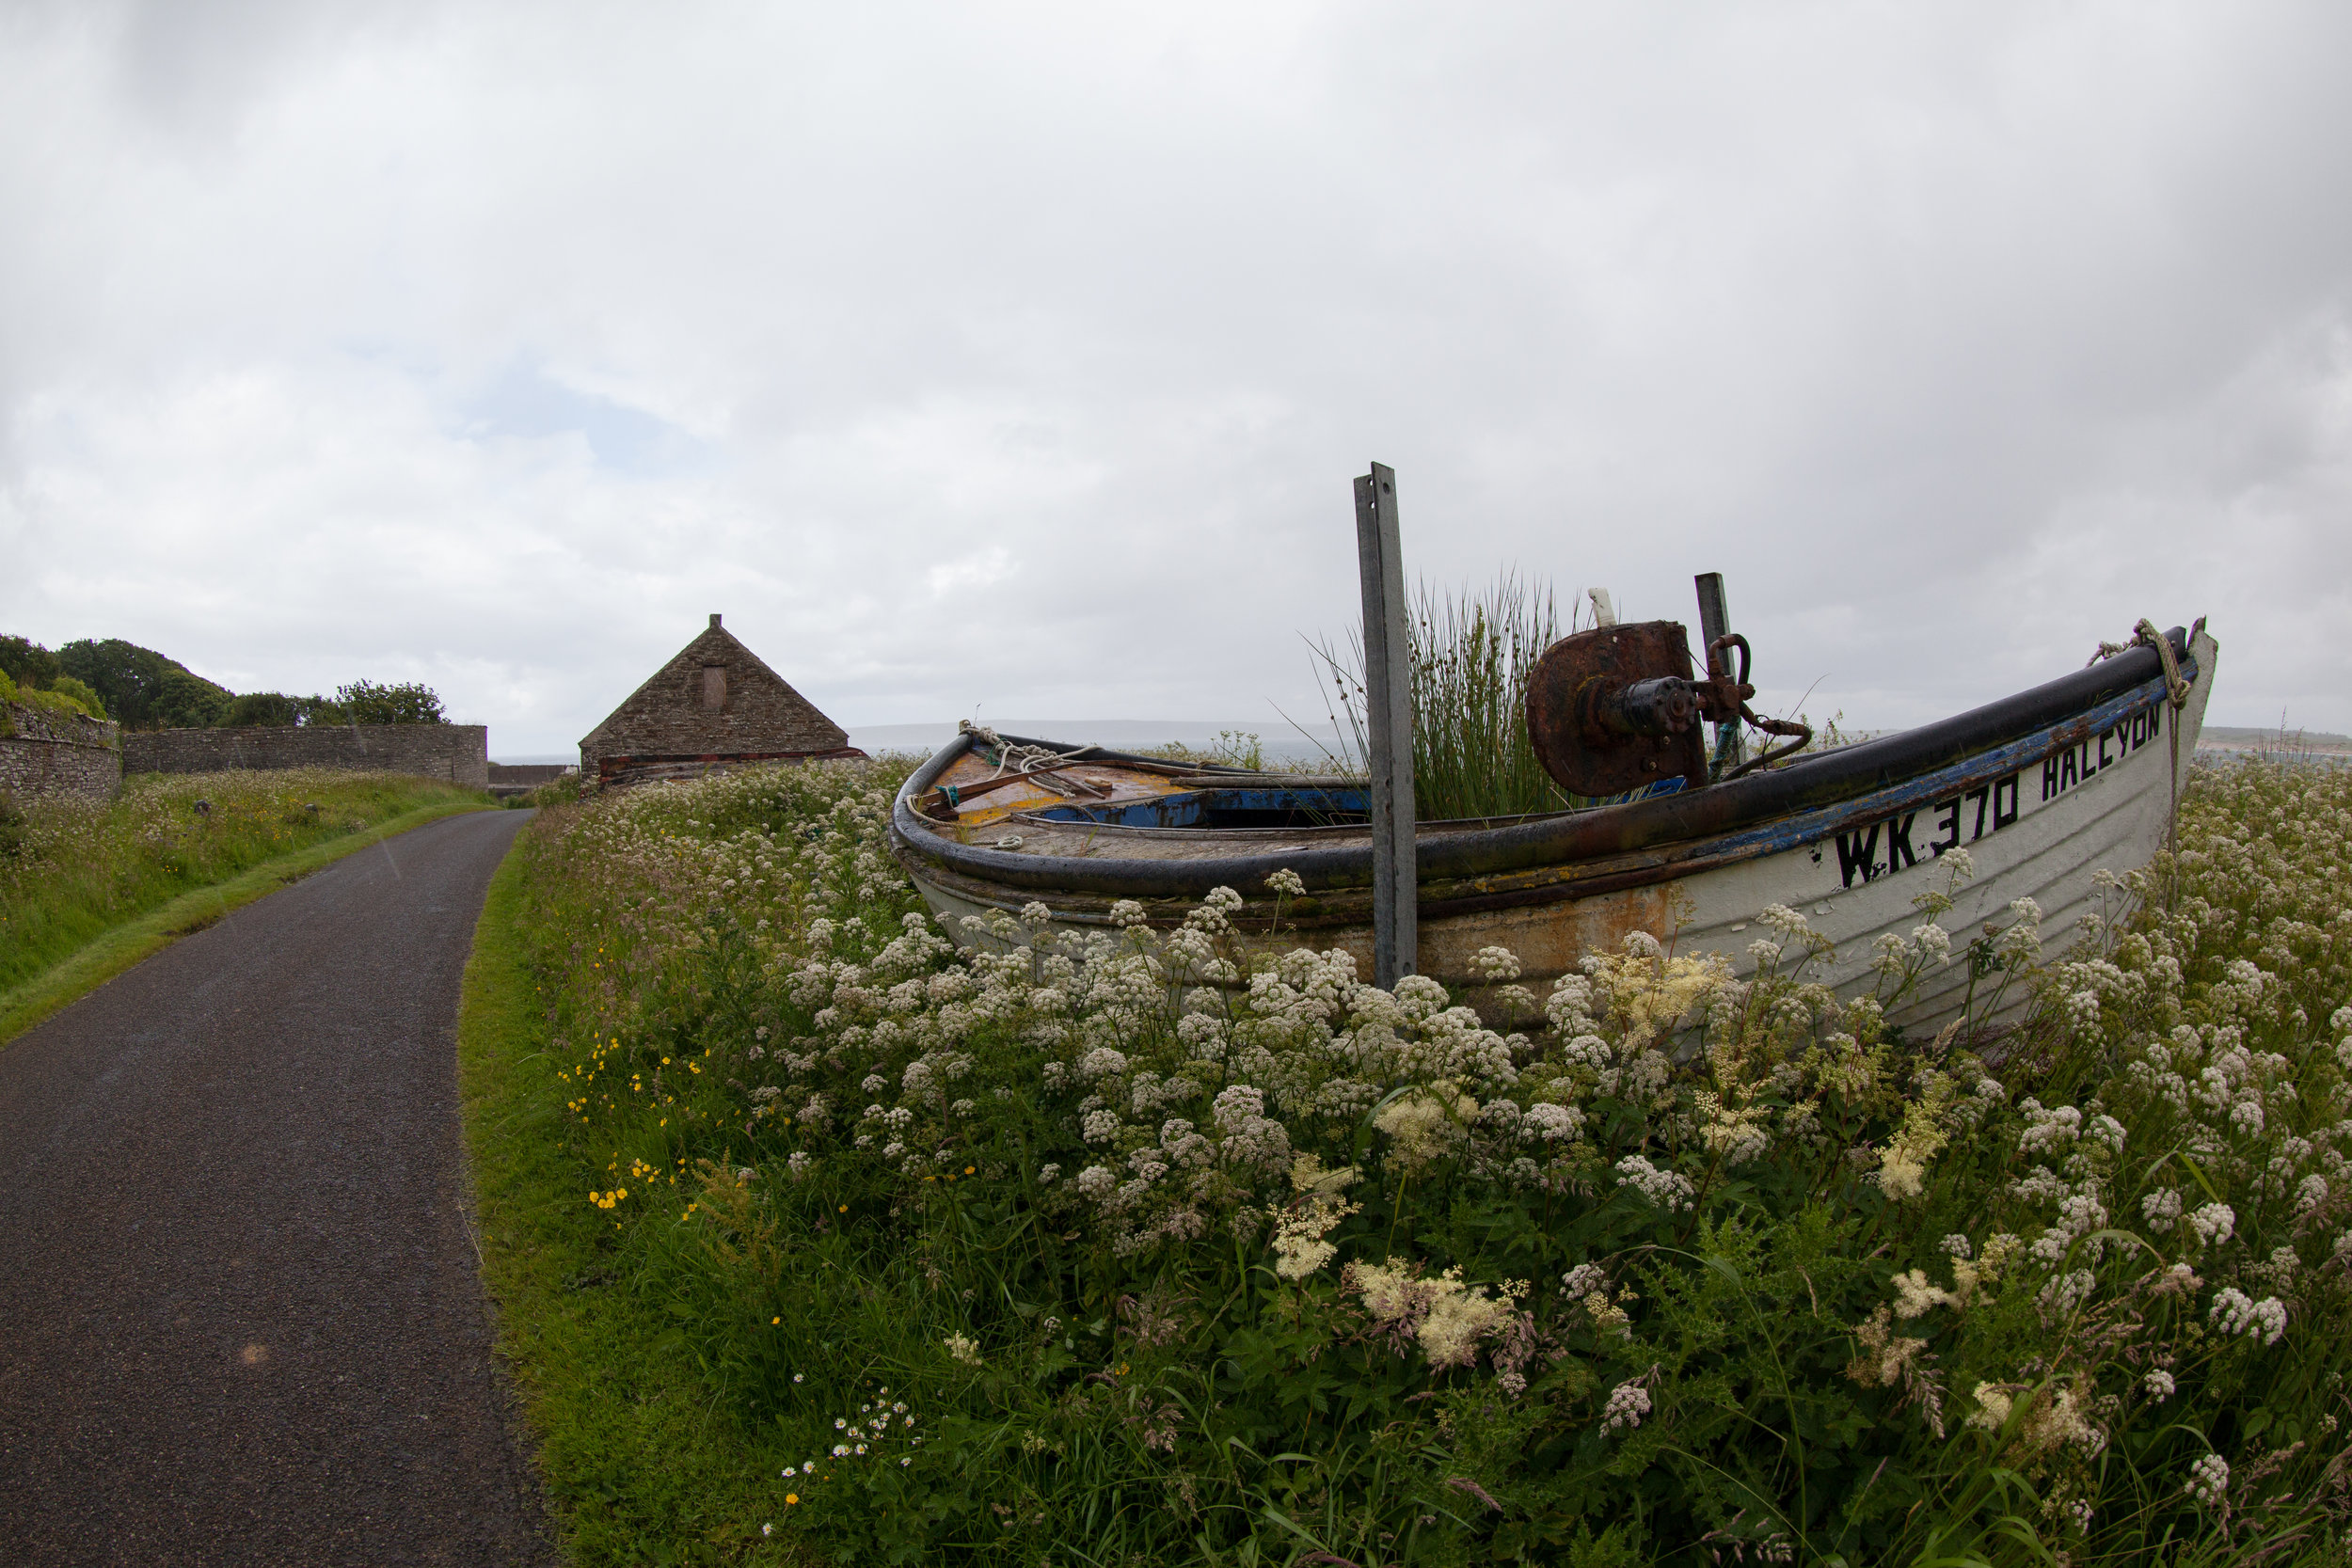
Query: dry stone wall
{"points": [[530, 775], [509, 779], [46, 752], [457, 753]]}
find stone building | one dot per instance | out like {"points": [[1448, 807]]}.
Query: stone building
{"points": [[713, 706]]}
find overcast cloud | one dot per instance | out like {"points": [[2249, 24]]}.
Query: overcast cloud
{"points": [[1020, 358]]}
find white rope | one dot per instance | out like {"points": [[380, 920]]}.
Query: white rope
{"points": [[1020, 759]]}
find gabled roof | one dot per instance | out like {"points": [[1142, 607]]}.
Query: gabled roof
{"points": [[669, 715]]}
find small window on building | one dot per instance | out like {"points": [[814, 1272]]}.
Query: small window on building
{"points": [[714, 686]]}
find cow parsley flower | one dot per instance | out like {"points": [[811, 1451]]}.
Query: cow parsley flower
{"points": [[2214, 1224], [1627, 1403], [1669, 1190], [2209, 1480], [2235, 1313]]}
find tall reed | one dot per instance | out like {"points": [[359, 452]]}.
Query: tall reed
{"points": [[1471, 651]]}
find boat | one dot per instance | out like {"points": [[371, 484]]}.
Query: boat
{"points": [[2044, 789]]}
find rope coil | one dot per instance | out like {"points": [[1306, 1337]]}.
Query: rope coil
{"points": [[1018, 759]]}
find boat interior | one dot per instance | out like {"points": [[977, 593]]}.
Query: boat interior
{"points": [[1105, 789]]}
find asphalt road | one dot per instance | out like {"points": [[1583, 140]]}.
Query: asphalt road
{"points": [[241, 1318]]}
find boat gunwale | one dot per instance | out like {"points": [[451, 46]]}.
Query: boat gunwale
{"points": [[1772, 803]]}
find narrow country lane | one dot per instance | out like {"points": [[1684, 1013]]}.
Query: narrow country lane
{"points": [[241, 1311]]}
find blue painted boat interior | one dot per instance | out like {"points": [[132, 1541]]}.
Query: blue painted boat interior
{"points": [[1223, 808], [1259, 808]]}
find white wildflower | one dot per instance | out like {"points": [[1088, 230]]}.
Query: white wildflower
{"points": [[1627, 1403], [1496, 964], [1993, 1407], [2209, 1480], [2214, 1224], [2235, 1313], [1669, 1190], [1916, 1296], [1299, 1247], [1551, 1122], [1420, 1128]]}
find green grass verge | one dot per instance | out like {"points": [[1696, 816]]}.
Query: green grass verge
{"points": [[138, 939], [635, 1467]]}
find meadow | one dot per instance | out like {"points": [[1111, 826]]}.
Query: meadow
{"points": [[72, 869], [1130, 1250]]}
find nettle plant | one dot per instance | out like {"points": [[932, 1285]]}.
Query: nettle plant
{"points": [[1195, 1254]]}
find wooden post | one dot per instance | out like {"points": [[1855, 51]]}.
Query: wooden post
{"points": [[1389, 715], [1714, 621]]}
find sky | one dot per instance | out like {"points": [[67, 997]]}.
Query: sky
{"points": [[1017, 360]]}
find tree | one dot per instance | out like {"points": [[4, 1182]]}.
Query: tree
{"points": [[28, 663], [140, 687], [186, 702], [258, 707], [410, 703]]}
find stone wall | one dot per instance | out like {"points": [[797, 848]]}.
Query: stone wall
{"points": [[531, 775], [457, 753], [46, 752], [509, 779]]}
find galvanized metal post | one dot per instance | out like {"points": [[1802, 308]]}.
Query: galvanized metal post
{"points": [[1714, 621], [1389, 715]]}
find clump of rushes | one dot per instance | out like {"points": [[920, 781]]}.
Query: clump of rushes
{"points": [[1471, 653], [1187, 1256]]}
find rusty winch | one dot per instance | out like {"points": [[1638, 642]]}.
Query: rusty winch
{"points": [[1616, 708]]}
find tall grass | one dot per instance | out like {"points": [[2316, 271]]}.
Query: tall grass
{"points": [[1470, 653], [70, 869]]}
